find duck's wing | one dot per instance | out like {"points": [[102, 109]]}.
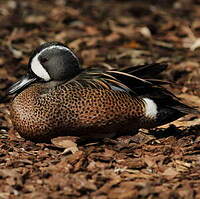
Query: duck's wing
{"points": [[147, 71], [135, 86], [100, 80]]}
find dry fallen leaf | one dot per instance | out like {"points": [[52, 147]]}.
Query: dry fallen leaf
{"points": [[132, 44], [64, 142], [145, 31], [160, 163], [170, 173]]}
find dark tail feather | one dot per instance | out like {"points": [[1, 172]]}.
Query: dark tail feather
{"points": [[170, 113], [146, 71], [183, 108], [167, 115]]}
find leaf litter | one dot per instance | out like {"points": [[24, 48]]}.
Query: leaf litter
{"points": [[160, 163]]}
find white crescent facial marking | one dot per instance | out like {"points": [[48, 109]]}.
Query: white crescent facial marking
{"points": [[151, 108], [37, 67]]}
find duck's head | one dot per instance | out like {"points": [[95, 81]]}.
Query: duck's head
{"points": [[51, 61]]}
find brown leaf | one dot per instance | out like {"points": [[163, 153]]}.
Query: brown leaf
{"points": [[170, 172], [91, 30], [112, 37], [64, 142], [132, 44]]}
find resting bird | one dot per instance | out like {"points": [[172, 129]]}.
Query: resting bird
{"points": [[57, 97]]}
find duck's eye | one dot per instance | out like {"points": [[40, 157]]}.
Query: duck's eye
{"points": [[43, 59]]}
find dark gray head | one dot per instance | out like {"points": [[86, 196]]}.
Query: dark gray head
{"points": [[54, 61], [51, 61]]}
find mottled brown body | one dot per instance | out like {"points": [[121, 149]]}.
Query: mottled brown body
{"points": [[39, 112]]}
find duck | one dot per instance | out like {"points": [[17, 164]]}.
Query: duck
{"points": [[57, 97]]}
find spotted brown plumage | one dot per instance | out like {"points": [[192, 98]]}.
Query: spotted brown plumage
{"points": [[57, 97]]}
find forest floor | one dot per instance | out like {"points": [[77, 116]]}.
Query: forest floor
{"points": [[161, 163]]}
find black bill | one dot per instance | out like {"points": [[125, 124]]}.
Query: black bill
{"points": [[21, 84]]}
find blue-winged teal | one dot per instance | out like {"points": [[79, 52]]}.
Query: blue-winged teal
{"points": [[57, 97]]}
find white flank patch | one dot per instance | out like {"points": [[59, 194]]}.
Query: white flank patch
{"points": [[38, 69], [151, 108]]}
